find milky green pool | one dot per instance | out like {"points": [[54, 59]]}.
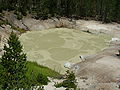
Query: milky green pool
{"points": [[54, 47]]}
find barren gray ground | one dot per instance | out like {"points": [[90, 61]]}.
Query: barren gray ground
{"points": [[99, 71]]}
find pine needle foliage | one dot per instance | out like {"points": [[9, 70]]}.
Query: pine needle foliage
{"points": [[13, 62]]}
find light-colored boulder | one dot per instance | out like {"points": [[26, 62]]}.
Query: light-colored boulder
{"points": [[68, 65], [115, 39]]}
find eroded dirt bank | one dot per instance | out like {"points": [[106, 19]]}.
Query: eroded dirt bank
{"points": [[92, 26], [100, 70]]}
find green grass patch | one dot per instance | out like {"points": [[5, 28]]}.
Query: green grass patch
{"points": [[33, 67], [39, 74]]}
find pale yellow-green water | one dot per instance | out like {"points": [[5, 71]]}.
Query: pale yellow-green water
{"points": [[54, 47]]}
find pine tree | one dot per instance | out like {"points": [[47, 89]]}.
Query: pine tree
{"points": [[70, 81], [13, 62]]}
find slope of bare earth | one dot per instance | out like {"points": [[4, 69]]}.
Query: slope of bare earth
{"points": [[99, 71], [99, 27], [92, 26]]}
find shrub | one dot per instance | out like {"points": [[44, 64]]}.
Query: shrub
{"points": [[18, 29], [70, 81], [4, 22], [42, 79], [19, 15]]}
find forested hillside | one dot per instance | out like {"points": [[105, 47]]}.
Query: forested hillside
{"points": [[103, 10]]}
